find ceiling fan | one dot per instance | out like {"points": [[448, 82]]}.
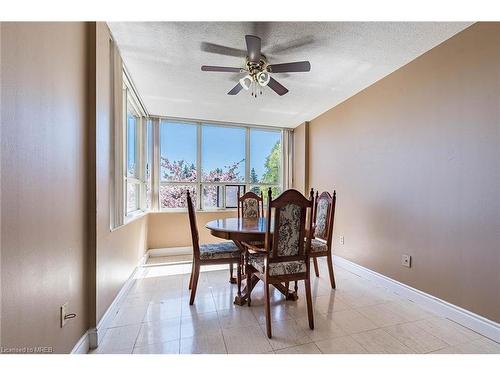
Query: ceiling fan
{"points": [[257, 70]]}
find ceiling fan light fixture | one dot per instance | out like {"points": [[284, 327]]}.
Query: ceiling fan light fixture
{"points": [[258, 70], [263, 78], [246, 82]]}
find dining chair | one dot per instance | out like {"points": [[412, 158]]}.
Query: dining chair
{"points": [[216, 253], [321, 242], [285, 256], [250, 206]]}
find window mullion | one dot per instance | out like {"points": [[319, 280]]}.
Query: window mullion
{"points": [[155, 168], [199, 189], [142, 161], [124, 197], [247, 159]]}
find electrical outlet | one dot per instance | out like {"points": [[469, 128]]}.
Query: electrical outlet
{"points": [[406, 260], [341, 240], [64, 311]]}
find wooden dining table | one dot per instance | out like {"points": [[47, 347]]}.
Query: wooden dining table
{"points": [[241, 230]]}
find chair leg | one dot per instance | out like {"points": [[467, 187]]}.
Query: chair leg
{"points": [[309, 303], [238, 279], [296, 287], [191, 277], [232, 280], [249, 281], [268, 309], [316, 270], [196, 274], [330, 270]]}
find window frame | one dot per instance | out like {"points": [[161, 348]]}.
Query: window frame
{"points": [[199, 184], [131, 104]]}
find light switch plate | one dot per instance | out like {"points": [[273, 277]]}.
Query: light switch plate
{"points": [[63, 311], [406, 260]]}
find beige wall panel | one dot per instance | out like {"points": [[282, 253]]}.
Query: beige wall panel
{"points": [[415, 159], [44, 248], [118, 251], [172, 229], [300, 158]]}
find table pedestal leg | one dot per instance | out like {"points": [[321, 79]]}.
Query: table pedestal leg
{"points": [[242, 300], [290, 295]]}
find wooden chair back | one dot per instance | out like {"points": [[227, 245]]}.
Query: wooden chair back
{"points": [[324, 214], [250, 206], [194, 228], [292, 211]]}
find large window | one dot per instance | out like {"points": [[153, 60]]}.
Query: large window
{"points": [[149, 164], [216, 163], [266, 162], [132, 164], [137, 149], [178, 163], [223, 160]]}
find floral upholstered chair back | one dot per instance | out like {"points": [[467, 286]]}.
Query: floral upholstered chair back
{"points": [[324, 204], [290, 211], [250, 206]]}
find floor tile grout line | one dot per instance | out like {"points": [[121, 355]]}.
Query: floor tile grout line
{"points": [[368, 351], [319, 290], [429, 333], [371, 319]]}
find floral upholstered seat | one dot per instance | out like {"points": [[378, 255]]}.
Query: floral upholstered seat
{"points": [[277, 269], [318, 246], [220, 250]]}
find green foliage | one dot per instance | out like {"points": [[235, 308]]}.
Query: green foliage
{"points": [[253, 176], [273, 164], [272, 171]]}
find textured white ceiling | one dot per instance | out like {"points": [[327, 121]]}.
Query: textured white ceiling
{"points": [[164, 59]]}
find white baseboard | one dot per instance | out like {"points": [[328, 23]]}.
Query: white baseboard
{"points": [[185, 250], [83, 345], [92, 338], [458, 314]]}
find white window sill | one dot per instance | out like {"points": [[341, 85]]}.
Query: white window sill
{"points": [[184, 210], [131, 217], [136, 215]]}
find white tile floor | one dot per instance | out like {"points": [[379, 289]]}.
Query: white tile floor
{"points": [[358, 317]]}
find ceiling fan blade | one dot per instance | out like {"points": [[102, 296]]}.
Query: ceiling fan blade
{"points": [[222, 50], [277, 87], [261, 29], [236, 89], [305, 41], [299, 66], [253, 47], [210, 68]]}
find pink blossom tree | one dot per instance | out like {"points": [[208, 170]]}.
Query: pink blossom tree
{"points": [[174, 196]]}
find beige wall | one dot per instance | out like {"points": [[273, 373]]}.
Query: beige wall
{"points": [[56, 151], [43, 184], [172, 229], [118, 251], [118, 254], [415, 159], [301, 157]]}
